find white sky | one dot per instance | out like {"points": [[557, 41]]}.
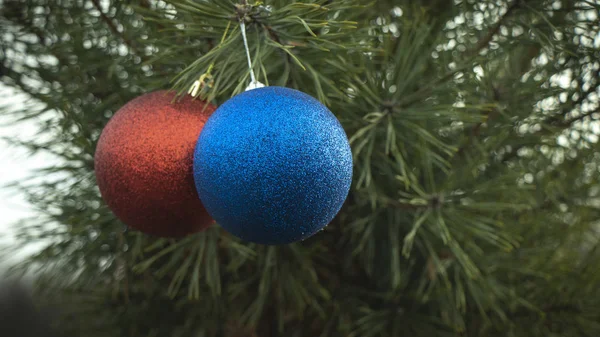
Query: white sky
{"points": [[16, 164]]}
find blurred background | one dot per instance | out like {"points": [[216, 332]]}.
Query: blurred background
{"points": [[17, 164]]}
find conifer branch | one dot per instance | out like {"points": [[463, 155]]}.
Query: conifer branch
{"points": [[403, 205], [114, 29], [493, 112], [572, 121], [483, 43], [122, 266], [275, 37], [555, 120], [476, 129]]}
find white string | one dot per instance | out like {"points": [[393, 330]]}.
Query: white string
{"points": [[253, 82], [243, 26]]}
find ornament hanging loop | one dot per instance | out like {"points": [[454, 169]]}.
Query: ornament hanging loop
{"points": [[253, 82], [205, 79]]}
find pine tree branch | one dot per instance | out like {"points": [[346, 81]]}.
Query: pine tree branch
{"points": [[272, 34], [404, 205], [572, 121], [483, 43], [114, 29], [147, 5], [476, 130], [554, 120], [545, 132], [433, 201], [275, 37], [122, 266], [427, 89]]}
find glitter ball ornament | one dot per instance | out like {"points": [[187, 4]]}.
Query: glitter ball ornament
{"points": [[273, 165], [144, 161]]}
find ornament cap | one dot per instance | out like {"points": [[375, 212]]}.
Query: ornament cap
{"points": [[254, 85]]}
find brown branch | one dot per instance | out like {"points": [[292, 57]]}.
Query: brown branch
{"points": [[476, 130], [272, 34], [483, 43], [114, 29], [275, 37], [570, 122], [427, 89], [545, 132], [555, 119], [145, 4], [495, 29], [480, 46]]}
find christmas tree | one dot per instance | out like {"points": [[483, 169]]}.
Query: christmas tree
{"points": [[473, 209]]}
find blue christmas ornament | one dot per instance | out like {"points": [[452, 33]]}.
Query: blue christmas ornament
{"points": [[273, 165]]}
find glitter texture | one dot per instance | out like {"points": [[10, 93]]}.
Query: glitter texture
{"points": [[273, 165], [144, 161]]}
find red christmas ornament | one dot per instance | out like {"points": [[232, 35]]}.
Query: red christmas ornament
{"points": [[144, 162]]}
